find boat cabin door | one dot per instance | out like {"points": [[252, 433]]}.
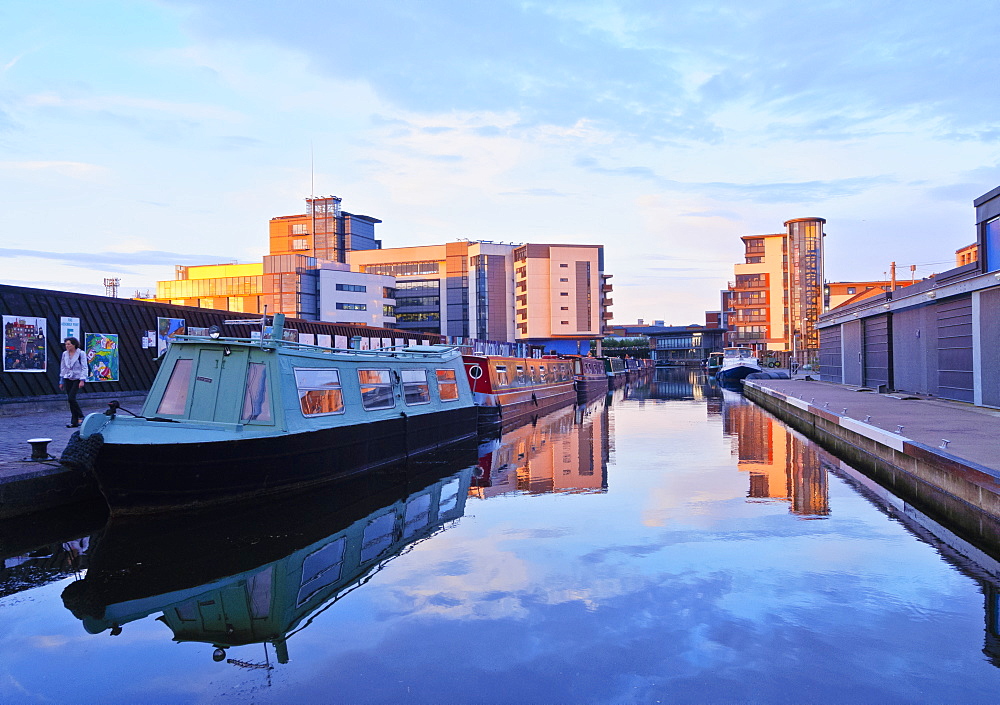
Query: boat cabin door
{"points": [[213, 398]]}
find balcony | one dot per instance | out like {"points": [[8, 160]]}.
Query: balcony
{"points": [[608, 302], [607, 315], [751, 319], [606, 288], [754, 284], [747, 337]]}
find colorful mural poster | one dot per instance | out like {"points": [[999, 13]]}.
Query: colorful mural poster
{"points": [[167, 328], [69, 327], [23, 344], [102, 356]]}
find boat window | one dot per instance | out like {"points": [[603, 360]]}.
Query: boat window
{"points": [[418, 513], [502, 379], [449, 497], [320, 568], [174, 400], [256, 402], [376, 389], [520, 375], [541, 373], [447, 385], [415, 389], [378, 536], [320, 392]]}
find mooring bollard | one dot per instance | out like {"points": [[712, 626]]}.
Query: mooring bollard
{"points": [[40, 449]]}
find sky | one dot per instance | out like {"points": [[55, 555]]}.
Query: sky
{"points": [[136, 135]]}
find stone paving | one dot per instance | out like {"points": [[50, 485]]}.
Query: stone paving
{"points": [[973, 432], [16, 429]]}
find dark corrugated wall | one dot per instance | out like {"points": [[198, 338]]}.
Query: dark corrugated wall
{"points": [[831, 364], [954, 327], [129, 320]]}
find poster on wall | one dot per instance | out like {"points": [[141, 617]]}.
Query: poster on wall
{"points": [[167, 328], [340, 341], [69, 327], [23, 344], [323, 339], [102, 356]]}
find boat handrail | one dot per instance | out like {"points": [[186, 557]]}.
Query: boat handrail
{"points": [[437, 351]]}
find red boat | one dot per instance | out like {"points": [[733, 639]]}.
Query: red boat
{"points": [[508, 390]]}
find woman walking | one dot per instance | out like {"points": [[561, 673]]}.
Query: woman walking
{"points": [[72, 375]]}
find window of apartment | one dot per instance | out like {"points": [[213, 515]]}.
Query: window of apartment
{"points": [[388, 292], [564, 293], [352, 307], [320, 392], [564, 279], [564, 308], [299, 229], [376, 389], [851, 290], [754, 260], [415, 388], [300, 243], [352, 287], [388, 310], [563, 264], [564, 323]]}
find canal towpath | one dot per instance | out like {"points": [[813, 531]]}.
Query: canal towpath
{"points": [[972, 432]]}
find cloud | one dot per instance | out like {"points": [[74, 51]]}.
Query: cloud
{"points": [[65, 168], [728, 215], [542, 192], [120, 261], [778, 192]]}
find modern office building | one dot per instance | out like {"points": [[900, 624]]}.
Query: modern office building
{"points": [[459, 289], [288, 279], [777, 295], [550, 295]]}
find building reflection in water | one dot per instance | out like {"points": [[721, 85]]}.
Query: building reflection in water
{"points": [[565, 451], [260, 575], [781, 465]]}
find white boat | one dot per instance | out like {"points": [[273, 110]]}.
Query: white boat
{"points": [[737, 363]]}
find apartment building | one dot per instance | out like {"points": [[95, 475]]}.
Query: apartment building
{"points": [[561, 295], [777, 295]]}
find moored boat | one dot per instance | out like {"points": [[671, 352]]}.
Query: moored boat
{"points": [[614, 369], [509, 390], [237, 418], [713, 363], [737, 363], [591, 379]]}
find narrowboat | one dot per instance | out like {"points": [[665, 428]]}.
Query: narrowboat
{"points": [[737, 363], [614, 369], [237, 418], [509, 390], [591, 380], [243, 576], [713, 363]]}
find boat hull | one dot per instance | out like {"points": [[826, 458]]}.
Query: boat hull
{"points": [[512, 409], [148, 478], [733, 375], [590, 388]]}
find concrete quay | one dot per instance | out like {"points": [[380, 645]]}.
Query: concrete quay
{"points": [[28, 486], [941, 456]]}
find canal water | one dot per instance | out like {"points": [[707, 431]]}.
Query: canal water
{"points": [[672, 543]]}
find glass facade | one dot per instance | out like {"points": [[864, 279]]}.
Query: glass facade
{"points": [[402, 269]]}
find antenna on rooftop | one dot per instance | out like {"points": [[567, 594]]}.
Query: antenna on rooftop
{"points": [[312, 172]]}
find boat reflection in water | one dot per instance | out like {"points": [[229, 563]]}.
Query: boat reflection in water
{"points": [[260, 576], [565, 451], [676, 383]]}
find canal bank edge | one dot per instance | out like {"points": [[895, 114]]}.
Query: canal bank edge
{"points": [[959, 493]]}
